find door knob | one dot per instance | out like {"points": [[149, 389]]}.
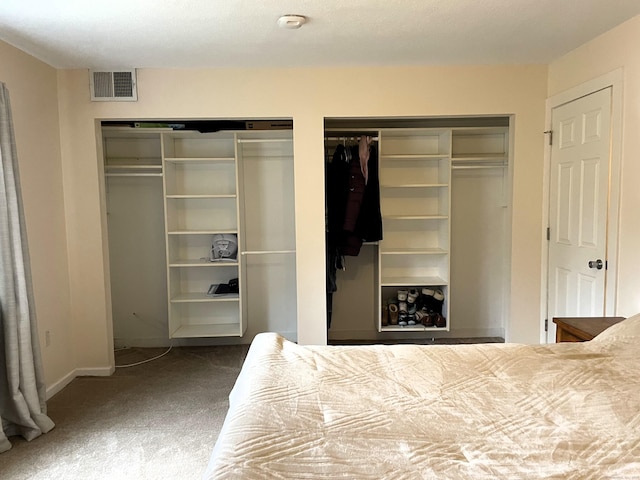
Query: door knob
{"points": [[596, 264]]}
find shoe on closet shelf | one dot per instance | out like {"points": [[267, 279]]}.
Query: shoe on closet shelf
{"points": [[438, 296], [420, 315], [385, 315], [403, 319], [393, 314], [428, 320], [402, 307], [402, 295], [440, 321], [412, 296], [432, 299]]}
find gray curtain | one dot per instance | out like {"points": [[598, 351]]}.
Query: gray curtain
{"points": [[22, 391]]}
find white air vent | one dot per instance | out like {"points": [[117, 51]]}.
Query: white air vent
{"points": [[113, 85]]}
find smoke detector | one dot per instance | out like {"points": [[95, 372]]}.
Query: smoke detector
{"points": [[291, 21]]}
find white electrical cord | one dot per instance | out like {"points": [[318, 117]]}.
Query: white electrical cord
{"points": [[145, 361]]}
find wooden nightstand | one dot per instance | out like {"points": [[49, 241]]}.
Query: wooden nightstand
{"points": [[582, 329]]}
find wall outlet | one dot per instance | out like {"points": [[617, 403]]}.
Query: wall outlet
{"points": [[47, 338]]}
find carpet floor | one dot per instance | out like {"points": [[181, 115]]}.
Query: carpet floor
{"points": [[158, 420]]}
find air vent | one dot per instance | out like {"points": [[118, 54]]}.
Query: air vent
{"points": [[113, 85]]}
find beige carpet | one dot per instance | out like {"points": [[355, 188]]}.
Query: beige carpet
{"points": [[159, 420]]}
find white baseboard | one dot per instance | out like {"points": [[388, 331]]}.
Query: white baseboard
{"points": [[60, 384], [78, 372], [95, 372]]}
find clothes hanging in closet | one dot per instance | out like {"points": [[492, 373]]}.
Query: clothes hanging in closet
{"points": [[353, 202], [353, 207]]}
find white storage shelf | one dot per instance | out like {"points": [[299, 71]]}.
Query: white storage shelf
{"points": [[201, 200], [415, 202]]}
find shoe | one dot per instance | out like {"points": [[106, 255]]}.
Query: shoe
{"points": [[402, 307], [429, 320], [403, 319], [440, 322], [438, 298], [432, 299], [385, 315], [402, 295], [393, 314], [412, 296]]}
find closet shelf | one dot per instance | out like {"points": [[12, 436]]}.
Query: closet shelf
{"points": [[479, 166], [201, 196], [417, 185], [415, 217], [201, 232], [413, 251], [207, 330], [420, 156], [198, 159], [200, 262], [265, 140], [203, 297], [480, 157], [411, 328], [267, 252], [130, 166], [133, 174], [415, 281]]}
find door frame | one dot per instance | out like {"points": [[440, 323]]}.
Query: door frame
{"points": [[613, 79]]}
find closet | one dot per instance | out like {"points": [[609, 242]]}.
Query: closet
{"points": [[444, 198], [201, 231]]}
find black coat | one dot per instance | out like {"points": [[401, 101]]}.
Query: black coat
{"points": [[353, 208]]}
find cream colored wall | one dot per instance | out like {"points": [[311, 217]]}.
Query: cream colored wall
{"points": [[307, 96], [614, 49], [33, 91]]}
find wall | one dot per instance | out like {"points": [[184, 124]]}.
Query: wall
{"points": [[33, 90], [614, 49], [307, 96]]}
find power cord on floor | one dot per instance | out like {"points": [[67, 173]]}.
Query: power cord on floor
{"points": [[145, 361]]}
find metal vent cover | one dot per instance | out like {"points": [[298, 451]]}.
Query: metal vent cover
{"points": [[113, 85]]}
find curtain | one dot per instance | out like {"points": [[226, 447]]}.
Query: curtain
{"points": [[22, 390]]}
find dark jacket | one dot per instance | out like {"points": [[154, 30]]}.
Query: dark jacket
{"points": [[353, 207]]}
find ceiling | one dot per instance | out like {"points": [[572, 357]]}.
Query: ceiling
{"points": [[241, 33]]}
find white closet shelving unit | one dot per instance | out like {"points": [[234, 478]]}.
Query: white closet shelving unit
{"points": [[415, 205], [201, 200]]}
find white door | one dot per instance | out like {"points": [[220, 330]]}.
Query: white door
{"points": [[579, 195]]}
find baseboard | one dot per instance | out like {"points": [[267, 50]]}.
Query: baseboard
{"points": [[95, 372], [56, 387], [60, 384]]}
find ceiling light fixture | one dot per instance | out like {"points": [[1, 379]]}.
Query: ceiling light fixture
{"points": [[291, 21]]}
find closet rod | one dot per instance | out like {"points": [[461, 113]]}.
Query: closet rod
{"points": [[356, 139]]}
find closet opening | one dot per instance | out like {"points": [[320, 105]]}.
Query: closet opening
{"points": [[196, 256], [438, 270]]}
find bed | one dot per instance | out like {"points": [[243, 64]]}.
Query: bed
{"points": [[565, 411]]}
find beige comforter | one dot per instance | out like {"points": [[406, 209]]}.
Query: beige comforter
{"points": [[494, 411]]}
